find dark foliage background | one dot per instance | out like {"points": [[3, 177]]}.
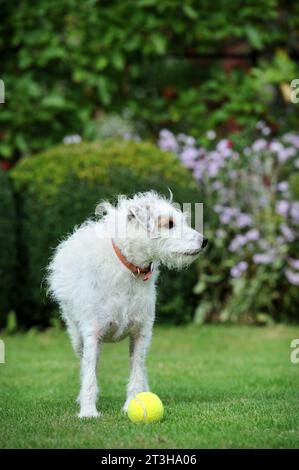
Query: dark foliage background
{"points": [[7, 247], [189, 66]]}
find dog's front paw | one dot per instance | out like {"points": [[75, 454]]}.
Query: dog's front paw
{"points": [[89, 413], [127, 402], [126, 405]]}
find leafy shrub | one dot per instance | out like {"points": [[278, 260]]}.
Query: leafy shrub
{"points": [[60, 188], [251, 271], [68, 61], [7, 246]]}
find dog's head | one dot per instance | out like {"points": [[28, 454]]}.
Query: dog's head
{"points": [[157, 230]]}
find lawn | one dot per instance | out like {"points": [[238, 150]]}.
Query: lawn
{"points": [[221, 386]]}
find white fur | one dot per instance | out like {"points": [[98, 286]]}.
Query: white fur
{"points": [[102, 300]]}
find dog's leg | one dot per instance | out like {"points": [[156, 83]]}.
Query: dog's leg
{"points": [[76, 337], [138, 377], [89, 388]]}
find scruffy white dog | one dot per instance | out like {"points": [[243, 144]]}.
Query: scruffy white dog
{"points": [[103, 277]]}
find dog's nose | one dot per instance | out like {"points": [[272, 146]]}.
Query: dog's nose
{"points": [[204, 242]]}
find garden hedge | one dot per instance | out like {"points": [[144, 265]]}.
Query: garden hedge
{"points": [[7, 246], [60, 188]]}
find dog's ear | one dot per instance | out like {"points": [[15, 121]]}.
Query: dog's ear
{"points": [[142, 214], [103, 208]]}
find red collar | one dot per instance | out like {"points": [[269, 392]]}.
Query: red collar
{"points": [[132, 267]]}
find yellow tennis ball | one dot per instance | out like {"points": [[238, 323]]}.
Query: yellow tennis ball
{"points": [[146, 407]]}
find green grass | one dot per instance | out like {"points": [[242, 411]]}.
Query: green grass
{"points": [[221, 386]]}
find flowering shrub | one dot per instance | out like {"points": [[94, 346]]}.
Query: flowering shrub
{"points": [[251, 197]]}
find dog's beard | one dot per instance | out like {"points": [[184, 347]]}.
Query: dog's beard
{"points": [[178, 260]]}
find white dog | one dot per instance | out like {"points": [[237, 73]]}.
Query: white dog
{"points": [[103, 277]]}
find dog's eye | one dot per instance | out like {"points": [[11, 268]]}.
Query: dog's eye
{"points": [[170, 224]]}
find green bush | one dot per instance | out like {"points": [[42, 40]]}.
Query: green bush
{"points": [[7, 246], [163, 61], [60, 188]]}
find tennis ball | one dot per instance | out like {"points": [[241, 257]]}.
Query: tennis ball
{"points": [[146, 407]]}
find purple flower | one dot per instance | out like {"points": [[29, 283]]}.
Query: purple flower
{"points": [[211, 135], [263, 258], [283, 186], [190, 141], [220, 233], [213, 169], [243, 220], [287, 233], [294, 263], [224, 148], [291, 138], [198, 171], [252, 235], [227, 214], [282, 207], [237, 270], [72, 139], [259, 145], [292, 277], [186, 139], [276, 146], [260, 125], [243, 265], [167, 141], [189, 156], [217, 208], [217, 185], [286, 153], [266, 130], [295, 212], [238, 242]]}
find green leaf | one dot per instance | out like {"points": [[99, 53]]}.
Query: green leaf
{"points": [[201, 312], [53, 101], [147, 3], [101, 63], [254, 37], [213, 277], [190, 11], [11, 322], [118, 60], [264, 319], [103, 90], [200, 287], [159, 43], [21, 143], [294, 185], [6, 149]]}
